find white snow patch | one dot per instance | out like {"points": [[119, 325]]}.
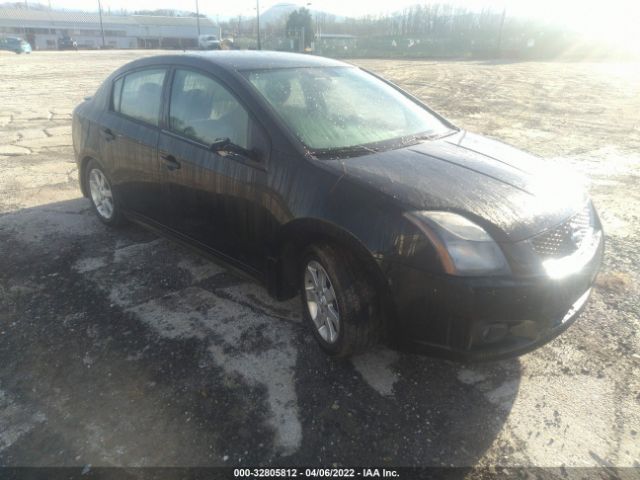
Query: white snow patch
{"points": [[15, 421], [376, 369], [496, 384], [125, 254], [199, 268], [503, 395], [257, 347], [258, 297], [85, 265], [471, 376], [121, 294]]}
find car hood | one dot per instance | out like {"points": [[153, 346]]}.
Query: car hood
{"points": [[512, 194]]}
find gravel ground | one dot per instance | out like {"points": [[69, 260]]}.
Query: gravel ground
{"points": [[121, 348]]}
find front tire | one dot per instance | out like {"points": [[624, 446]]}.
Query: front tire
{"points": [[103, 199], [339, 302]]}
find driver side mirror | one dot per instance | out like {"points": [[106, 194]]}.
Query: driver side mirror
{"points": [[225, 145], [259, 145]]}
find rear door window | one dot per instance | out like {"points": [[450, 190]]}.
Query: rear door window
{"points": [[141, 95]]}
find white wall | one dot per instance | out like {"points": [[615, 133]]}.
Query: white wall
{"points": [[41, 42], [84, 41]]}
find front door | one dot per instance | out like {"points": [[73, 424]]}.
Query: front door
{"points": [[214, 197]]}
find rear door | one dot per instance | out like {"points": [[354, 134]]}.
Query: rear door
{"points": [[129, 133], [215, 198]]}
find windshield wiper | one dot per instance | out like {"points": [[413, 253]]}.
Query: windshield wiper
{"points": [[413, 139], [356, 150], [344, 151]]}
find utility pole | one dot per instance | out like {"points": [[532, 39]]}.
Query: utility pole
{"points": [[317, 32], [258, 22], [198, 20], [504, 13], [101, 27]]}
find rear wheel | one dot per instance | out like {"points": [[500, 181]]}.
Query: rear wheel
{"points": [[339, 301], [102, 197]]}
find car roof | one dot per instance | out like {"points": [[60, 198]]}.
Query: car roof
{"points": [[239, 60]]}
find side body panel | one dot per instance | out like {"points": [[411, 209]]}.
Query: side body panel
{"points": [[214, 199]]}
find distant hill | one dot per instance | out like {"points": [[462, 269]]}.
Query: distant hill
{"points": [[281, 11], [277, 12]]}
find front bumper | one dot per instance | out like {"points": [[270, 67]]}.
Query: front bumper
{"points": [[485, 318]]}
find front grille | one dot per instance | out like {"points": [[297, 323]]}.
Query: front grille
{"points": [[566, 238]]}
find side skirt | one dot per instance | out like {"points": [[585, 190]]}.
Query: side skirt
{"points": [[209, 253]]}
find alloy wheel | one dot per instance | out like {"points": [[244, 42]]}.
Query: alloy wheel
{"points": [[101, 193], [322, 302]]}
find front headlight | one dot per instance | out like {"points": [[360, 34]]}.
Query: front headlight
{"points": [[464, 247]]}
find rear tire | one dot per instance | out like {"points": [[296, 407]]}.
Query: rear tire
{"points": [[341, 306], [103, 199]]}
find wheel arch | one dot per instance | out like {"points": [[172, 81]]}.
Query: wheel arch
{"points": [[82, 176], [82, 171], [293, 239]]}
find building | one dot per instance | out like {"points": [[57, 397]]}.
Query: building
{"points": [[334, 43], [43, 28]]}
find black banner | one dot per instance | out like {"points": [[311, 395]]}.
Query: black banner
{"points": [[410, 473]]}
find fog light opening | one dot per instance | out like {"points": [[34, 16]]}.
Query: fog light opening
{"points": [[494, 332]]}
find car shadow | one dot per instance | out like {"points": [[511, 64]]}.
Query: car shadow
{"points": [[122, 348]]}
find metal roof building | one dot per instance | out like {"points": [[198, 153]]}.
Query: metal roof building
{"points": [[42, 29]]}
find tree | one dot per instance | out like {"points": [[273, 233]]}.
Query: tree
{"points": [[300, 26]]}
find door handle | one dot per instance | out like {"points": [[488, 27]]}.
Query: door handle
{"points": [[108, 135], [170, 162]]}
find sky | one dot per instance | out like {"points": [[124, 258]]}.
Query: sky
{"points": [[615, 20]]}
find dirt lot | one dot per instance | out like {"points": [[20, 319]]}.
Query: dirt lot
{"points": [[120, 348]]}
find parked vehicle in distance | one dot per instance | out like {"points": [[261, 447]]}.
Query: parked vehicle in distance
{"points": [[319, 178], [67, 43], [208, 42], [228, 44], [15, 44]]}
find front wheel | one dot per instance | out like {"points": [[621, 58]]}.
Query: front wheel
{"points": [[339, 301], [102, 197]]}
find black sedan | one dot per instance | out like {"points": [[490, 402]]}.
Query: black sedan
{"points": [[317, 177]]}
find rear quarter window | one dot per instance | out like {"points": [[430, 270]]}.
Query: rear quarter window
{"points": [[117, 94]]}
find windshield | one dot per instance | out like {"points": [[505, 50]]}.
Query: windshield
{"points": [[340, 107]]}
